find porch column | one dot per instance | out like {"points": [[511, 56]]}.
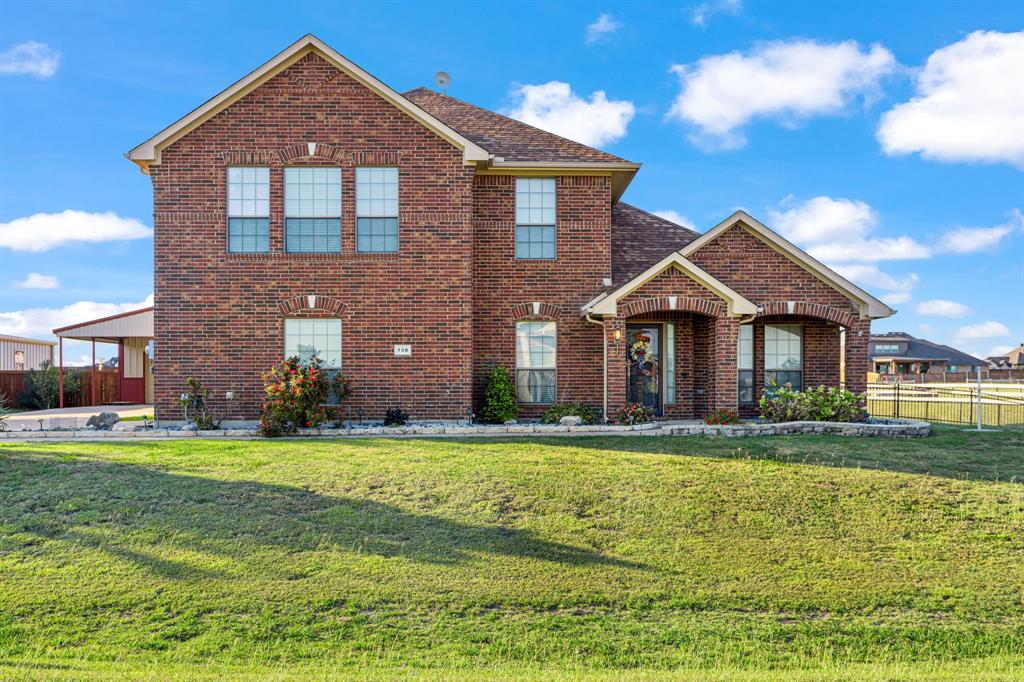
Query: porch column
{"points": [[616, 326], [92, 374], [725, 378], [60, 374], [857, 336]]}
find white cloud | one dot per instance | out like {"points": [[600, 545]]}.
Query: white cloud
{"points": [[555, 108], [675, 217], [973, 239], [603, 28], [942, 308], [823, 219], [791, 81], [969, 104], [998, 350], [705, 10], [895, 290], [30, 58], [34, 280], [985, 330], [40, 322], [870, 250], [926, 328], [45, 231]]}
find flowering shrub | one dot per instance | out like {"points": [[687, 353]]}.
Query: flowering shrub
{"points": [[821, 404], [722, 416], [341, 387], [635, 413], [294, 394]]}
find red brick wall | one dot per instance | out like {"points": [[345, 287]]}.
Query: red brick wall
{"points": [[217, 315], [503, 285]]}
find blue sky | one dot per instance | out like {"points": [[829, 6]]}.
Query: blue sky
{"points": [[887, 139]]}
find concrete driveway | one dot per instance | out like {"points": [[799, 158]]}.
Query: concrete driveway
{"points": [[71, 417]]}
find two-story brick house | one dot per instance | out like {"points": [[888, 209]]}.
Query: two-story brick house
{"points": [[414, 240]]}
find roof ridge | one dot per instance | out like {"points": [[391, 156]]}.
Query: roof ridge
{"points": [[509, 118]]}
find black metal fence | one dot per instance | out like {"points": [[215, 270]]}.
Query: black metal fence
{"points": [[957, 405]]}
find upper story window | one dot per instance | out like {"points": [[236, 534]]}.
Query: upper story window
{"points": [[887, 347], [305, 338], [312, 209], [376, 210], [745, 364], [535, 362], [535, 218], [783, 355], [248, 210], [19, 360]]}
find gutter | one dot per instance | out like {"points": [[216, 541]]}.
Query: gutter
{"points": [[604, 355]]}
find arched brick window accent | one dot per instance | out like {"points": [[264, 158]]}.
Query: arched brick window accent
{"points": [[672, 303], [843, 318], [301, 150], [536, 309], [312, 303]]}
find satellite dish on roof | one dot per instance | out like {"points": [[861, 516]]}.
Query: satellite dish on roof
{"points": [[442, 80]]}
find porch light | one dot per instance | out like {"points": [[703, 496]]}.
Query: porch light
{"points": [[618, 334]]}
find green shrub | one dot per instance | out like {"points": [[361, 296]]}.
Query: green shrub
{"points": [[4, 411], [395, 417], [42, 386], [554, 414], [634, 413], [722, 416], [196, 402], [821, 404], [500, 403]]}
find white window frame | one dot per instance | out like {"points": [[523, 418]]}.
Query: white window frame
{"points": [[374, 207], [530, 217], [243, 207], [331, 326], [296, 208], [769, 369], [745, 363], [524, 366]]}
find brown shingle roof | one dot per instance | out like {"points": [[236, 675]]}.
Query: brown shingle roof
{"points": [[503, 136], [641, 239]]}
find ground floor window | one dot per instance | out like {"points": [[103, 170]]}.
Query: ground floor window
{"points": [[535, 362], [306, 338], [783, 355], [670, 364], [745, 364]]}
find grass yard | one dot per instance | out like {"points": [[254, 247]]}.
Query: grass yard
{"points": [[800, 558]]}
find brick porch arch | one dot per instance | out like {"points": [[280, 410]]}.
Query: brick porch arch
{"points": [[843, 318], [312, 303], [537, 309], [689, 304]]}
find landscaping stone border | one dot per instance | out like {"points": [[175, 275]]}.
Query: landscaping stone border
{"points": [[886, 428]]}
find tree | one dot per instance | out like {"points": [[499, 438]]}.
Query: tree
{"points": [[42, 386], [500, 397]]}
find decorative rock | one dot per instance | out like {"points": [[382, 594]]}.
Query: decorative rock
{"points": [[103, 420], [571, 420], [190, 427], [509, 422]]}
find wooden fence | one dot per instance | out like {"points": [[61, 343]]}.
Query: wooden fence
{"points": [[108, 388]]}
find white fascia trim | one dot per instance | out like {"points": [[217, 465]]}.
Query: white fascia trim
{"points": [[870, 307], [149, 151], [499, 162], [735, 304]]}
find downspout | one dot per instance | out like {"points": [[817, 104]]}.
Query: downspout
{"points": [[604, 355]]}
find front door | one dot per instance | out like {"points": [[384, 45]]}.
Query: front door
{"points": [[643, 355]]}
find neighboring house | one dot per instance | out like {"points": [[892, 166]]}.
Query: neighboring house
{"points": [[414, 240], [900, 353], [1012, 360], [18, 354]]}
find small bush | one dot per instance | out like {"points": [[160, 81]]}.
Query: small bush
{"points": [[554, 414], [821, 404], [4, 411], [722, 416], [500, 403], [196, 402], [294, 394], [634, 413], [42, 386], [395, 417]]}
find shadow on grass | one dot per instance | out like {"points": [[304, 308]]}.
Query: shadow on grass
{"points": [[950, 452], [49, 495]]}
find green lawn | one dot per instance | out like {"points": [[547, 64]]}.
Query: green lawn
{"points": [[803, 558]]}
